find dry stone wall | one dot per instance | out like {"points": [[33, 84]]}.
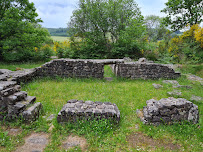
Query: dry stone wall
{"points": [[168, 110], [15, 103], [72, 68], [144, 70]]}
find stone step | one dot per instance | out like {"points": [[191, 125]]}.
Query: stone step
{"points": [[19, 107], [18, 96], [32, 113], [6, 84], [10, 91]]}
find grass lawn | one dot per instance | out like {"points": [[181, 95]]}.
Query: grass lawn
{"points": [[128, 95], [14, 66], [59, 38]]}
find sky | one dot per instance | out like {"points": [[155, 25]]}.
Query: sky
{"points": [[57, 13]]}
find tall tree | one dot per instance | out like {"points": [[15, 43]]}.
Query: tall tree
{"points": [[104, 22], [155, 27], [183, 12], [19, 30]]}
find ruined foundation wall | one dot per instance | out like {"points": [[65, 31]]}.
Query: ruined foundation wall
{"points": [[72, 68], [135, 70]]}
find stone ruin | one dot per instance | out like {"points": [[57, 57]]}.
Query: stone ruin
{"points": [[87, 68], [144, 69], [79, 110], [168, 111], [15, 103]]}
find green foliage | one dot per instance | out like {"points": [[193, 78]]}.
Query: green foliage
{"points": [[20, 32], [4, 139], [183, 12], [108, 29], [155, 27]]}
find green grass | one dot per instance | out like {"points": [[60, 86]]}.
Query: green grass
{"points": [[59, 38], [128, 95], [13, 66], [193, 69]]}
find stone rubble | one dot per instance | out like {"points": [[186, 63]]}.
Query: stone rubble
{"points": [[173, 82], [182, 86], [15, 103], [168, 111], [79, 110], [196, 98], [157, 86], [174, 93]]}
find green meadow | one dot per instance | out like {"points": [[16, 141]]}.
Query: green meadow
{"points": [[60, 38]]}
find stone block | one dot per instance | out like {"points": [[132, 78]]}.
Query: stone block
{"points": [[77, 110], [32, 113], [169, 110]]}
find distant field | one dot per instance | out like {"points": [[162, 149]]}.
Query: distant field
{"points": [[59, 38]]}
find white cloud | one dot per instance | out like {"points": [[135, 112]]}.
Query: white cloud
{"points": [[55, 13]]}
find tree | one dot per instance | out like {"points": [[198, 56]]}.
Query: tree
{"points": [[20, 32], [103, 23], [155, 27], [183, 12]]}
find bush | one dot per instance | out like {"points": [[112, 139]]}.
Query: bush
{"points": [[186, 47], [43, 54]]}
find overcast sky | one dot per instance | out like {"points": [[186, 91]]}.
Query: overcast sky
{"points": [[56, 13]]}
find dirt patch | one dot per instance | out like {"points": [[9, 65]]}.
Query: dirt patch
{"points": [[36, 142], [73, 141], [138, 139]]}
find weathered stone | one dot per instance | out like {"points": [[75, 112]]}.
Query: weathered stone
{"points": [[142, 60], [168, 110], [196, 98], [32, 112], [194, 77], [182, 86], [19, 96], [88, 110], [174, 93], [157, 86], [6, 84], [173, 82], [51, 117], [36, 142]]}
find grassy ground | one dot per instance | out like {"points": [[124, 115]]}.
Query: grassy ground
{"points": [[193, 69], [59, 38], [14, 66], [128, 95]]}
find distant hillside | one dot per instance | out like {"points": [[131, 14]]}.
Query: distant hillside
{"points": [[58, 31]]}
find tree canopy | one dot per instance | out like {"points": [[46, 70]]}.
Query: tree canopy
{"points": [[20, 32], [181, 13], [104, 23], [155, 27]]}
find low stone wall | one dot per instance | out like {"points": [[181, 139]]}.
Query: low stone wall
{"points": [[14, 102], [79, 110], [72, 68], [168, 110], [135, 70]]}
